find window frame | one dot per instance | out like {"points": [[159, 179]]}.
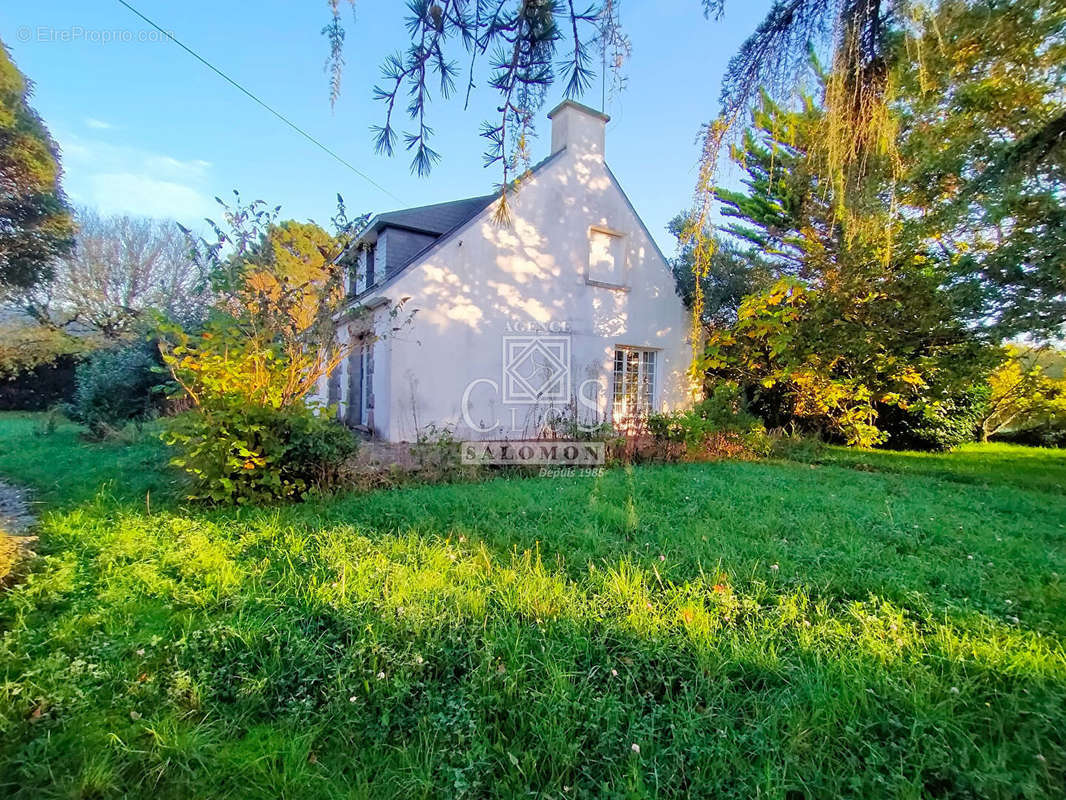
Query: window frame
{"points": [[623, 271], [646, 393]]}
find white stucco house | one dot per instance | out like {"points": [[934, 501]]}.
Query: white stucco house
{"points": [[568, 310]]}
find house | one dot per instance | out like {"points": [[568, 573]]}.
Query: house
{"points": [[566, 310]]}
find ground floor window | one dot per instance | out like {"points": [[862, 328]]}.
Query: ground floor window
{"points": [[359, 377], [634, 382]]}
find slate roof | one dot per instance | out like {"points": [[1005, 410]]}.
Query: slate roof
{"points": [[439, 218]]}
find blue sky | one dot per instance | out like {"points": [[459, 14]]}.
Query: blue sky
{"points": [[145, 128]]}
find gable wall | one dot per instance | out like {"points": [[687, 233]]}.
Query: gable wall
{"points": [[486, 282]]}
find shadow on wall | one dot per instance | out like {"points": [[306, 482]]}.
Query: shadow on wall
{"points": [[480, 283]]}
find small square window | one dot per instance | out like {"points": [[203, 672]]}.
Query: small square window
{"points": [[607, 257]]}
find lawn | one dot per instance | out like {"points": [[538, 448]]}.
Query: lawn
{"points": [[873, 625]]}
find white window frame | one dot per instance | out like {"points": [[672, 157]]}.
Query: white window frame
{"points": [[622, 268], [634, 393]]}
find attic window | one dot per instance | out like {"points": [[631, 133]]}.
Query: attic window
{"points": [[607, 258], [370, 266]]}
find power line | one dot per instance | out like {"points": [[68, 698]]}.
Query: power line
{"points": [[277, 114]]}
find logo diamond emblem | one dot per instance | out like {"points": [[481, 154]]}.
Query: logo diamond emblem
{"points": [[536, 369]]}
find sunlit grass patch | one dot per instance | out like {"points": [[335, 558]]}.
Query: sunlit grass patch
{"points": [[753, 629]]}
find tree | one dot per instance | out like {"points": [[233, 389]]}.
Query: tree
{"points": [[982, 126], [120, 268], [734, 274], [854, 323], [522, 42], [1021, 395], [278, 288], [36, 227], [252, 433]]}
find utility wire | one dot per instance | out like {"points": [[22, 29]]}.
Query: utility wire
{"points": [[277, 114]]}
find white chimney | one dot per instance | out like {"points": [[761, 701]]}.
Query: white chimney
{"points": [[578, 128]]}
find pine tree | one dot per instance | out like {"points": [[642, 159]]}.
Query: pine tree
{"points": [[856, 322]]}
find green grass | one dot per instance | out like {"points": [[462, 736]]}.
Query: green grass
{"points": [[887, 625]]}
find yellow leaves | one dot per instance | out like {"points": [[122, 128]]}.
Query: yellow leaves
{"points": [[912, 377]]}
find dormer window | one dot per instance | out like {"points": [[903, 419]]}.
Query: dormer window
{"points": [[369, 269], [607, 258]]}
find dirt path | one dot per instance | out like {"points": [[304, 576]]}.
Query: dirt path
{"points": [[16, 520]]}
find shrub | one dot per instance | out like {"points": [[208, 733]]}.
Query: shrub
{"points": [[26, 345], [799, 447], [239, 453], [937, 425], [113, 387], [719, 427]]}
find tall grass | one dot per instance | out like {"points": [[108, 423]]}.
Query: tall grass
{"points": [[725, 630]]}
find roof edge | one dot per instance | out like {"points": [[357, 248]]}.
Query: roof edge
{"points": [[579, 107]]}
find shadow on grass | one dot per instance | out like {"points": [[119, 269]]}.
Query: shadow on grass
{"points": [[754, 629], [191, 657]]}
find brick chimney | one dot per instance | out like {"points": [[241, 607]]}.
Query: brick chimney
{"points": [[578, 128]]}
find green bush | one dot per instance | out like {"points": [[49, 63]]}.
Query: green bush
{"points": [[723, 412], [240, 453], [113, 387], [804, 449], [934, 426], [720, 426]]}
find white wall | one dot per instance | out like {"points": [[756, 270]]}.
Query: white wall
{"points": [[477, 281]]}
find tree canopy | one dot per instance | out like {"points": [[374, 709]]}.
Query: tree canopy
{"points": [[36, 227]]}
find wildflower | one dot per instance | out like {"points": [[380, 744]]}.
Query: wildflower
{"points": [[614, 673], [1040, 757], [635, 748], [140, 652], [662, 557], [969, 558], [1014, 620], [418, 659], [352, 699], [774, 567], [954, 689], [381, 676]]}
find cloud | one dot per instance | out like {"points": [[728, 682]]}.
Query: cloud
{"points": [[144, 195], [119, 179], [98, 124]]}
